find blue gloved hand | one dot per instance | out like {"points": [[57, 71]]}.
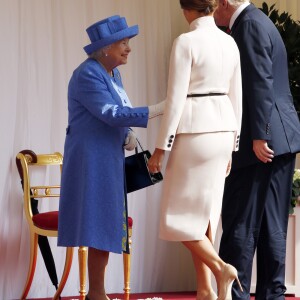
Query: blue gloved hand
{"points": [[130, 141]]}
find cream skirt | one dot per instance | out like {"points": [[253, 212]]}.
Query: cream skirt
{"points": [[193, 185]]}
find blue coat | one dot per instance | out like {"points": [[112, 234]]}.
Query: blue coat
{"points": [[268, 110], [92, 202]]}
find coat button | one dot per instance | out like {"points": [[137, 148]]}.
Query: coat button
{"points": [[169, 145]]}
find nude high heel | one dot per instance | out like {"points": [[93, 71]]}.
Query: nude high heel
{"points": [[229, 274], [211, 296]]}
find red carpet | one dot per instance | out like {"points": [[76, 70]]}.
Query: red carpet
{"points": [[168, 296]]}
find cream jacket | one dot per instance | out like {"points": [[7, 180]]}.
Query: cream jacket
{"points": [[204, 60]]}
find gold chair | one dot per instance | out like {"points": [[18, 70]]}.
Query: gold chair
{"points": [[43, 224], [46, 223]]}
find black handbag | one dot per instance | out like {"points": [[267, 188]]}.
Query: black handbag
{"points": [[137, 174]]}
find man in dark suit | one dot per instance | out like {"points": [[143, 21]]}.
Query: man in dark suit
{"points": [[258, 190]]}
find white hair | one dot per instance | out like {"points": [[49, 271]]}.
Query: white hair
{"points": [[237, 3], [99, 53]]}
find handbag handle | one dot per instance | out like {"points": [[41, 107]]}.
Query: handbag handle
{"points": [[136, 148]]}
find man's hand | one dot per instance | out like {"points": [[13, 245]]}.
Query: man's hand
{"points": [[262, 151]]}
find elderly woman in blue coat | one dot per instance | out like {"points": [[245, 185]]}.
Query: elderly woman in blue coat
{"points": [[93, 208]]}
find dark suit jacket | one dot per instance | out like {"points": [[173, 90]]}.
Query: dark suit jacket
{"points": [[268, 110]]}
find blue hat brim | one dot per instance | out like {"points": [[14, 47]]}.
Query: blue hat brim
{"points": [[129, 32]]}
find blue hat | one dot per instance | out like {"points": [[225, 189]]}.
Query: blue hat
{"points": [[109, 31]]}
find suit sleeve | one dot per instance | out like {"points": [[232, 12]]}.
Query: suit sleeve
{"points": [[255, 49], [178, 83]]}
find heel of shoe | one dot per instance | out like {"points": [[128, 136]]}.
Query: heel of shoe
{"points": [[211, 296], [237, 279], [239, 284], [229, 275], [228, 293], [234, 270]]}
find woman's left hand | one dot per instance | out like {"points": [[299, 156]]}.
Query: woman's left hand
{"points": [[156, 160]]}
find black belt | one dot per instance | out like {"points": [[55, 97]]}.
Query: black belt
{"points": [[204, 95]]}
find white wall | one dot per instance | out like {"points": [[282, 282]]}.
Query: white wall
{"points": [[41, 44]]}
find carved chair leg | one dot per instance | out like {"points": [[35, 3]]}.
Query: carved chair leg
{"points": [[126, 263], [82, 258], [126, 267], [64, 277], [32, 264]]}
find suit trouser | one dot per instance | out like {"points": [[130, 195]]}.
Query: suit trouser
{"points": [[255, 217]]}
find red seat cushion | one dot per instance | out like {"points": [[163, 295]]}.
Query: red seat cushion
{"points": [[130, 222], [48, 220]]}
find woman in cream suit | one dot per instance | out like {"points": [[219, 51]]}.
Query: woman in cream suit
{"points": [[200, 127]]}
